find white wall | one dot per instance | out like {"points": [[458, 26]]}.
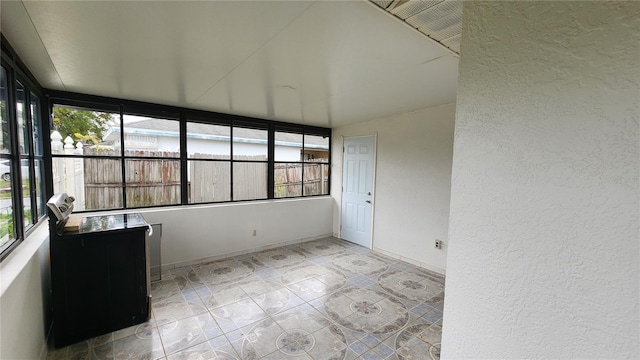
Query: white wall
{"points": [[191, 233], [412, 183], [544, 230], [25, 299]]}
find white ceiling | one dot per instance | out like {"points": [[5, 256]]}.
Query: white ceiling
{"points": [[325, 63]]}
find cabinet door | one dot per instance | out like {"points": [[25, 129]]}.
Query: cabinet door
{"points": [[127, 278], [83, 307]]}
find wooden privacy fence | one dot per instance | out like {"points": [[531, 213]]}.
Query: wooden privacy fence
{"points": [[210, 180], [148, 181], [289, 177], [152, 182]]}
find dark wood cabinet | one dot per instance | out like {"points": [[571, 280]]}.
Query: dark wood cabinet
{"points": [[99, 282]]}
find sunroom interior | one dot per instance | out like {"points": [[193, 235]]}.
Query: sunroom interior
{"points": [[506, 131]]}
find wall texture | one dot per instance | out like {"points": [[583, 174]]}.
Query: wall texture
{"points": [[412, 183], [192, 233], [189, 234], [25, 300], [544, 225]]}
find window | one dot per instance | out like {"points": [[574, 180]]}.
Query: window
{"points": [[301, 164], [94, 151], [214, 175], [288, 166], [250, 163], [209, 162], [21, 162], [7, 230], [113, 154], [151, 161], [315, 157], [23, 150], [39, 178], [87, 157]]}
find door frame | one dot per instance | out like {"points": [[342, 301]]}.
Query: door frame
{"points": [[373, 181]]}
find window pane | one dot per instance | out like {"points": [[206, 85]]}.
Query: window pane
{"points": [[249, 144], [35, 124], [148, 136], [95, 183], [316, 148], [5, 174], [21, 113], [288, 179], [26, 186], [102, 184], [97, 131], [249, 181], [7, 231], [4, 116], [288, 146], [209, 181], [207, 141], [40, 201], [152, 182], [316, 179]]}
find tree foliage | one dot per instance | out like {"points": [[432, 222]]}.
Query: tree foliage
{"points": [[81, 125]]}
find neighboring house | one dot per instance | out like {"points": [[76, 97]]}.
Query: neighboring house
{"points": [[163, 135]]}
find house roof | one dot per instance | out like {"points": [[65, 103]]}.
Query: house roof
{"points": [[169, 128]]}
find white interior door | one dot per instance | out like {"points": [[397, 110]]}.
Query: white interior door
{"points": [[357, 188]]}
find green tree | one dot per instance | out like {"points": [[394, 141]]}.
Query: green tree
{"points": [[82, 125]]}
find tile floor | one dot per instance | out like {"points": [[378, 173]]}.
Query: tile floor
{"points": [[324, 299]]}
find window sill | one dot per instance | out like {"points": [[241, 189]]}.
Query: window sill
{"points": [[12, 265], [144, 210]]}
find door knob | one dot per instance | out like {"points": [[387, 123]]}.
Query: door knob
{"points": [[369, 201], [369, 193]]}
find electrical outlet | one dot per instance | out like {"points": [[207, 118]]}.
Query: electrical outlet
{"points": [[438, 244]]}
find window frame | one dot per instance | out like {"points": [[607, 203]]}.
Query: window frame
{"points": [[91, 106], [203, 120], [17, 72], [304, 132], [185, 116], [251, 125], [162, 115]]}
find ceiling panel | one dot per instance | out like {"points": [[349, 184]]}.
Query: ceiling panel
{"points": [[17, 26], [406, 9], [312, 62], [325, 55], [438, 19], [155, 50]]}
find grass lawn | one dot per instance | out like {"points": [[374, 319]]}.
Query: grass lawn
{"points": [[5, 189]]}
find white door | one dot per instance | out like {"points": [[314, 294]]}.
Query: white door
{"points": [[357, 188]]}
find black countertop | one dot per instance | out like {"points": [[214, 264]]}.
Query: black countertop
{"points": [[101, 223]]}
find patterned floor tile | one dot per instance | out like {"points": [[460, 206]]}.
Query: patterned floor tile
{"points": [[144, 344], [323, 299], [182, 334]]}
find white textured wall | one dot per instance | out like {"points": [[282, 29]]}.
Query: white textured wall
{"points": [[191, 233], [412, 183], [25, 299], [544, 229]]}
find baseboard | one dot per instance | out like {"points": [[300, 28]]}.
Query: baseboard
{"points": [[425, 266], [207, 259]]}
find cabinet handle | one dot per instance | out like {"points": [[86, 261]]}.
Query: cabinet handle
{"points": [[150, 229]]}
